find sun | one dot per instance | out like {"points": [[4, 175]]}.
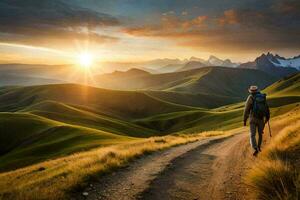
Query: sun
{"points": [[85, 60]]}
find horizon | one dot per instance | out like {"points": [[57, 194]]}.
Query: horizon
{"points": [[56, 32], [186, 59]]}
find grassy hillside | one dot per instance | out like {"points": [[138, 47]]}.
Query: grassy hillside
{"points": [[221, 81], [276, 174], [42, 122], [27, 138], [120, 104], [288, 86], [225, 81], [75, 116], [142, 80], [195, 100], [229, 116], [58, 178]]}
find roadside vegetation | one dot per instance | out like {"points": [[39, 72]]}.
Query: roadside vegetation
{"points": [[276, 176], [56, 179]]}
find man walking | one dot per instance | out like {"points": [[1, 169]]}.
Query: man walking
{"points": [[257, 110]]}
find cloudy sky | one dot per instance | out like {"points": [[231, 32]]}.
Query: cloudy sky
{"points": [[55, 31]]}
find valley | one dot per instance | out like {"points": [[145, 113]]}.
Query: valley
{"points": [[44, 124]]}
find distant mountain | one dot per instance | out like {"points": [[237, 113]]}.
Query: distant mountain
{"points": [[171, 68], [192, 65], [193, 58], [275, 65], [7, 79], [41, 74], [195, 63], [214, 61]]}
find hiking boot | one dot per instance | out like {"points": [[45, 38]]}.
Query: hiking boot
{"points": [[259, 149], [255, 152]]}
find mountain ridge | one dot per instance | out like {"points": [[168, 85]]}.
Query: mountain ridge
{"points": [[276, 65]]}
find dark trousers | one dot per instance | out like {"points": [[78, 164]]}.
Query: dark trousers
{"points": [[256, 126]]}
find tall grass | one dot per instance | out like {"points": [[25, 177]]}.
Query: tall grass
{"points": [[276, 175], [55, 179]]}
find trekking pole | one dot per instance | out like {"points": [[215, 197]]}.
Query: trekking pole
{"points": [[269, 129]]}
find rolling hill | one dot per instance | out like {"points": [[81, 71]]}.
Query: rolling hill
{"points": [[26, 138], [219, 81], [195, 100], [120, 104], [283, 96], [287, 86], [49, 121]]}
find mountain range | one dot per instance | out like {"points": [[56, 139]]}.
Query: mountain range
{"points": [[274, 64], [194, 63], [145, 75]]}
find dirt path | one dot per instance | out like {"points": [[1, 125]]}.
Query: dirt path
{"points": [[212, 171], [208, 169]]}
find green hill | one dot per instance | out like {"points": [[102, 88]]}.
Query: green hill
{"points": [[44, 122], [220, 81], [288, 86], [225, 81], [26, 138], [75, 116], [120, 104], [195, 100], [283, 96]]}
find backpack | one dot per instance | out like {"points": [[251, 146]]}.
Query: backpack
{"points": [[259, 108]]}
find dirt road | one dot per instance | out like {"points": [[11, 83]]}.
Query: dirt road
{"points": [[208, 169]]}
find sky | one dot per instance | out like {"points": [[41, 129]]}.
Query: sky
{"points": [[57, 31]]}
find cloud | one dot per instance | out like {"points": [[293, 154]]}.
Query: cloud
{"points": [[288, 7], [169, 26], [245, 28], [48, 21], [230, 17]]}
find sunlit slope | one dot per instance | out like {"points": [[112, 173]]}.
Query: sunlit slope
{"points": [[196, 100], [229, 116], [225, 82], [193, 121], [289, 86], [120, 104], [75, 116], [222, 81], [27, 138]]}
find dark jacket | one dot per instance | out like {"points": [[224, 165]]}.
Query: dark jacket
{"points": [[248, 110]]}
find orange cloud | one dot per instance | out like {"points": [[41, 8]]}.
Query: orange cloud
{"points": [[230, 17], [169, 25]]}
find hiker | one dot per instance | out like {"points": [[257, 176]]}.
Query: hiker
{"points": [[258, 110]]}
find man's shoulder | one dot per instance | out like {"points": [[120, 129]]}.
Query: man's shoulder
{"points": [[250, 96]]}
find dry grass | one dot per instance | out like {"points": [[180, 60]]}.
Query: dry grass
{"points": [[55, 179], [276, 175]]}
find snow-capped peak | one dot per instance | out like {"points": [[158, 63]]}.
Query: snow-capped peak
{"points": [[284, 62]]}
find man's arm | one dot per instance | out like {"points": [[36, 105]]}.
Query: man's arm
{"points": [[247, 109]]}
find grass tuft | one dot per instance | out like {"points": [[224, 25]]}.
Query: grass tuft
{"points": [[276, 175]]}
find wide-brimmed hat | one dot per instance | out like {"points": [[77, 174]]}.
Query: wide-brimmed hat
{"points": [[253, 88]]}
